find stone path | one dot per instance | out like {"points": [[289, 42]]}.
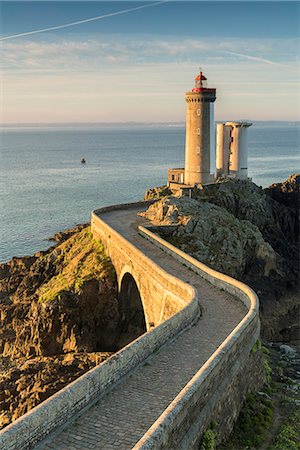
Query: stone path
{"points": [[124, 414]]}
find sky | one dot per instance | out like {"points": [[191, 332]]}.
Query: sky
{"points": [[133, 61]]}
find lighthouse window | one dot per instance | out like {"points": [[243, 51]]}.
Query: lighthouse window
{"points": [[198, 131], [198, 149], [198, 168], [198, 112]]}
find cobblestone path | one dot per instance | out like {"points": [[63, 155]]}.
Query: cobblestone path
{"points": [[120, 418]]}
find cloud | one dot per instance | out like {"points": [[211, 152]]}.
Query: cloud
{"points": [[101, 51], [126, 77]]}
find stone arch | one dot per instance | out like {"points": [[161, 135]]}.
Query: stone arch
{"points": [[133, 321]]}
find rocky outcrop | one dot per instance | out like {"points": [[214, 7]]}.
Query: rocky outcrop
{"points": [[157, 192], [240, 229], [62, 236], [214, 236], [287, 192], [59, 301], [59, 315], [246, 201], [24, 383]]}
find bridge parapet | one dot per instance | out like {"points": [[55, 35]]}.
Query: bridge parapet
{"points": [[163, 295], [186, 417]]}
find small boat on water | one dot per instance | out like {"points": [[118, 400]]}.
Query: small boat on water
{"points": [[82, 161]]}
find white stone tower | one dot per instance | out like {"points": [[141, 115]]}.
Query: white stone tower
{"points": [[232, 150], [199, 145]]}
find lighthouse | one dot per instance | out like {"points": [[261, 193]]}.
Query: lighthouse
{"points": [[204, 160], [199, 143]]}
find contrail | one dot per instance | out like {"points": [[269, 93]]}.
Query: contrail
{"points": [[253, 58], [78, 22]]}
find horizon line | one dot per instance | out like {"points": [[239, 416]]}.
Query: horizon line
{"points": [[132, 122]]}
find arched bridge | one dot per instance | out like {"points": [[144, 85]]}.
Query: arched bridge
{"points": [[162, 389], [148, 295]]}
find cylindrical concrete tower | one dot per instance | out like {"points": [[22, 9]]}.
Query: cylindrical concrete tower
{"points": [[238, 166], [223, 150], [198, 132], [232, 157]]}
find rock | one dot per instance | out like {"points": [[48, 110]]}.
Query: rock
{"points": [[288, 351], [213, 235], [287, 192], [59, 301], [26, 383], [62, 236], [65, 300], [157, 192], [266, 253]]}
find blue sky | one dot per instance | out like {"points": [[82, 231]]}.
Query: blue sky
{"points": [[137, 65]]}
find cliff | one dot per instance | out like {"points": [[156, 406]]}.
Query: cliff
{"points": [[60, 317], [249, 233]]}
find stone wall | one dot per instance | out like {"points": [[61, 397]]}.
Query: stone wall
{"points": [[35, 425], [162, 294], [215, 384]]}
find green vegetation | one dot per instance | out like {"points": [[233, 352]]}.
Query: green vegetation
{"points": [[257, 346], [253, 424], [78, 259], [270, 419], [288, 436], [267, 367], [208, 440]]}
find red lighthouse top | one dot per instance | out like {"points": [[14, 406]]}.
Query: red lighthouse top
{"points": [[201, 84], [200, 77]]}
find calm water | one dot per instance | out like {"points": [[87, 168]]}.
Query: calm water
{"points": [[45, 189]]}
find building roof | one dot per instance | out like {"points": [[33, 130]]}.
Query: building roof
{"points": [[202, 77]]}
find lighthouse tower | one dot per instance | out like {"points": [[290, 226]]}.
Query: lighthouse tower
{"points": [[199, 144]]}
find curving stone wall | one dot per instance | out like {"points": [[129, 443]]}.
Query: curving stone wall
{"points": [[186, 418], [162, 294]]}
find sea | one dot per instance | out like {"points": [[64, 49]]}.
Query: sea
{"points": [[45, 188]]}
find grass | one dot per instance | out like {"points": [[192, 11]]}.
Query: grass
{"points": [[80, 259]]}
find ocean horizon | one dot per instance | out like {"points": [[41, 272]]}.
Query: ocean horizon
{"points": [[45, 188]]}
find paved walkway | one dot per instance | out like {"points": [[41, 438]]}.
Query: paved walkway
{"points": [[120, 418]]}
